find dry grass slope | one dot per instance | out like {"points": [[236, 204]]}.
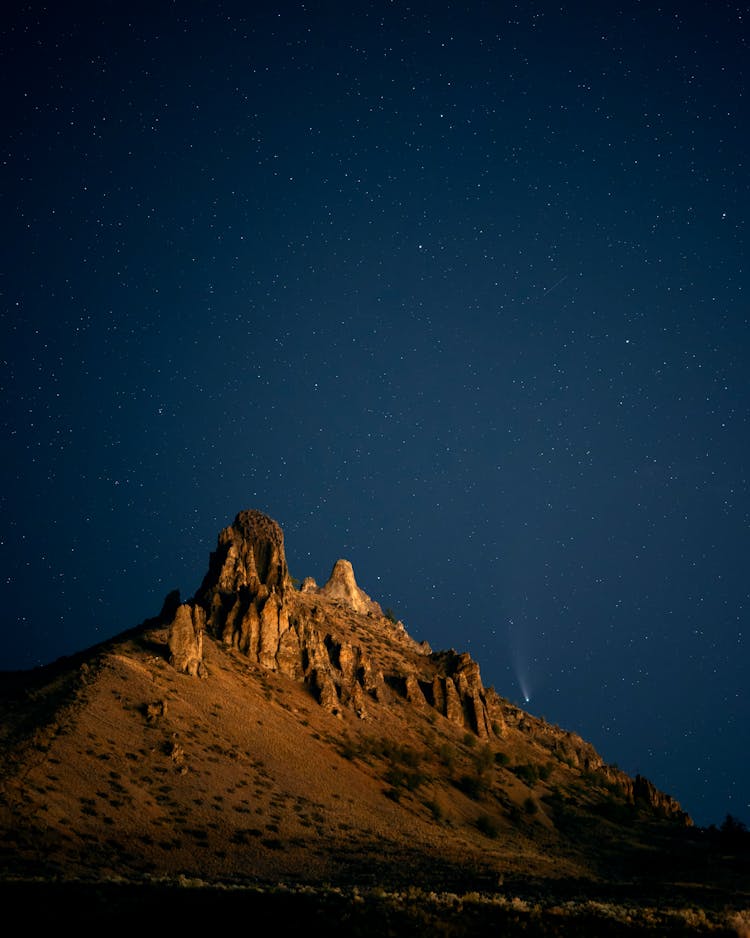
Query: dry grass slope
{"points": [[129, 789]]}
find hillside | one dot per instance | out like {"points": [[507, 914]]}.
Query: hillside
{"points": [[259, 734]]}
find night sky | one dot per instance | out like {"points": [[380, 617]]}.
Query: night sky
{"points": [[456, 291]]}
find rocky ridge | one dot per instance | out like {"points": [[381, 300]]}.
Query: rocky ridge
{"points": [[248, 602]]}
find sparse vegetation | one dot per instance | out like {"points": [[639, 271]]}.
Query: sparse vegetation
{"points": [[527, 772], [447, 755], [474, 785], [530, 806], [132, 811], [435, 810], [484, 759], [488, 826]]}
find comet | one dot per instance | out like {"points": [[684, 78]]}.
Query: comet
{"points": [[554, 285]]}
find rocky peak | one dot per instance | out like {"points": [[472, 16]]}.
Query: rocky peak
{"points": [[309, 585], [250, 556], [247, 602], [315, 636], [342, 586]]}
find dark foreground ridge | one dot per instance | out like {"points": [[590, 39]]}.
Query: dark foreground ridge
{"points": [[575, 912]]}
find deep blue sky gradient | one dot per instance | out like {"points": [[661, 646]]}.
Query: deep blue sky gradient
{"points": [[457, 291]]}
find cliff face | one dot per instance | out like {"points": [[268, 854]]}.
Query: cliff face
{"points": [[248, 602], [336, 641]]}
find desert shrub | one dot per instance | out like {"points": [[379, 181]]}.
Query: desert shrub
{"points": [[472, 785], [470, 740], [347, 750], [487, 825], [399, 777], [484, 759], [555, 799], [501, 758], [530, 806], [447, 755], [404, 755], [545, 771], [245, 835], [528, 773], [435, 810], [395, 753]]}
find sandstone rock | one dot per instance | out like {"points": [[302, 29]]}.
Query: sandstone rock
{"points": [[247, 602], [414, 692], [454, 710], [289, 654], [438, 694], [373, 680], [358, 701], [325, 688], [250, 553], [480, 718], [273, 622], [185, 640], [342, 586], [243, 592]]}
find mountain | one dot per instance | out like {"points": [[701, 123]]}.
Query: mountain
{"points": [[265, 737]]}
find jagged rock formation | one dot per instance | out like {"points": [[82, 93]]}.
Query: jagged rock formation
{"points": [[247, 601], [186, 639], [343, 587], [331, 637], [242, 595], [257, 732]]}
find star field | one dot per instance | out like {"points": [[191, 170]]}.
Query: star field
{"points": [[456, 292]]}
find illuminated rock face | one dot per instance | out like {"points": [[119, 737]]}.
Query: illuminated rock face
{"points": [[248, 602], [186, 639], [249, 555], [336, 640], [343, 587]]}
